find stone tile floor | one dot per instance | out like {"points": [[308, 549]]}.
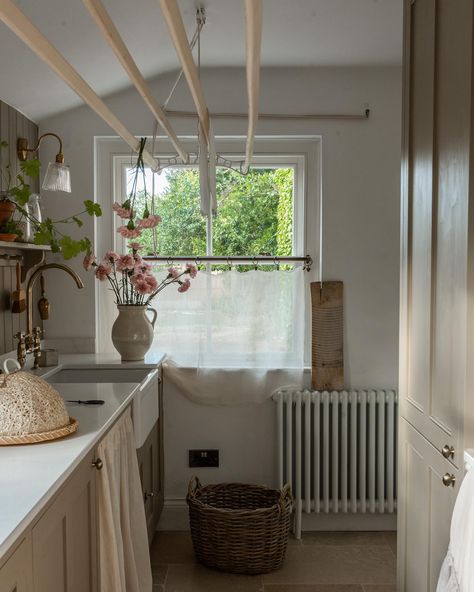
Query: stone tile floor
{"points": [[320, 562]]}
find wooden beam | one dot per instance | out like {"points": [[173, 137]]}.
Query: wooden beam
{"points": [[253, 28], [177, 31], [113, 38], [37, 42]]}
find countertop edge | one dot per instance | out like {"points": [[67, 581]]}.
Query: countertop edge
{"points": [[26, 522], [71, 361]]}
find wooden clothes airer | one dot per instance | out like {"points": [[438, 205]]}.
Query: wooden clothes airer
{"points": [[327, 319]]}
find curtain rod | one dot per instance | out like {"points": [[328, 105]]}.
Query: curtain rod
{"points": [[274, 116], [238, 259]]}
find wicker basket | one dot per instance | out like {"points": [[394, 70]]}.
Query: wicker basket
{"points": [[239, 528]]}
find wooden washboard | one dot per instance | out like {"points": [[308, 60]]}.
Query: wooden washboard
{"points": [[327, 319]]}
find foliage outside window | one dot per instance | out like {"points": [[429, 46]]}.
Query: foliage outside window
{"points": [[254, 214]]}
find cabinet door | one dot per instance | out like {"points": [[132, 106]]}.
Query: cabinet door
{"points": [[65, 537], [425, 508], [435, 216], [15, 574], [150, 471], [160, 455]]}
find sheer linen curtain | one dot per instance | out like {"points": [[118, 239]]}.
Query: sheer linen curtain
{"points": [[234, 337]]}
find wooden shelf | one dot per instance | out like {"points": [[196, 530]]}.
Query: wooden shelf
{"points": [[23, 246], [29, 254]]}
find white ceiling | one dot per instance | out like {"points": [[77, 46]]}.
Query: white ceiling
{"points": [[296, 33]]}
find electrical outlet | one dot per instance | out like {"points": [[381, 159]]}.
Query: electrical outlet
{"points": [[203, 458]]}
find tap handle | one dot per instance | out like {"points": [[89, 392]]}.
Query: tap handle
{"points": [[20, 336], [21, 348]]}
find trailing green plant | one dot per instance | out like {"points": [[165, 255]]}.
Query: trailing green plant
{"points": [[46, 232]]}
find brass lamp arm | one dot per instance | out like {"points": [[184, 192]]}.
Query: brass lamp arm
{"points": [[22, 147]]}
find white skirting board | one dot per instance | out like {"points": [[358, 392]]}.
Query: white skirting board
{"points": [[175, 517]]}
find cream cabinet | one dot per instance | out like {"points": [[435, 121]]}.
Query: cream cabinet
{"points": [[59, 551], [427, 506], [151, 467], [65, 537], [16, 572], [437, 281]]}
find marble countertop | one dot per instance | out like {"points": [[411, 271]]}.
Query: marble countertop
{"points": [[30, 475], [469, 459]]}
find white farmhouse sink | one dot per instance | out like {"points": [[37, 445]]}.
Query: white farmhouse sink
{"points": [[145, 405]]}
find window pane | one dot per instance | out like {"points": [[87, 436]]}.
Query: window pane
{"points": [[255, 212], [183, 229]]}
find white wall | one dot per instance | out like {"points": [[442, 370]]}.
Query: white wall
{"points": [[360, 164]]}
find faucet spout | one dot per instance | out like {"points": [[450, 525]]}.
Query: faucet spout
{"points": [[31, 283]]}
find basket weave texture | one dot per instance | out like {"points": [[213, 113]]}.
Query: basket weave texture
{"points": [[239, 528], [29, 405]]}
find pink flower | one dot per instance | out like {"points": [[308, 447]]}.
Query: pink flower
{"points": [[111, 256], [149, 222], [89, 261], [191, 269], [103, 271], [151, 281], [143, 287], [184, 287], [121, 211], [135, 246], [137, 276], [144, 266], [173, 272], [127, 233], [125, 262]]}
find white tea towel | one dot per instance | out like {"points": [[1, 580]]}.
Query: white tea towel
{"points": [[124, 555], [457, 571]]}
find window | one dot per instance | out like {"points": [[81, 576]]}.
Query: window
{"points": [[227, 319], [258, 214]]}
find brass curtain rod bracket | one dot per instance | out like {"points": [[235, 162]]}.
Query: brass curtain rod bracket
{"points": [[22, 147]]}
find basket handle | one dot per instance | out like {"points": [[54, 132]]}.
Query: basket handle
{"points": [[285, 494], [194, 485]]}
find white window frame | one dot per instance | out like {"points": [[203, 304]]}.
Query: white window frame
{"points": [[301, 152], [294, 161]]}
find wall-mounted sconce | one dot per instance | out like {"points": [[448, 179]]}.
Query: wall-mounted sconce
{"points": [[57, 177]]}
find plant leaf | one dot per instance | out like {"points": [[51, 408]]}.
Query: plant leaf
{"points": [[93, 209], [21, 193], [31, 167], [78, 221]]}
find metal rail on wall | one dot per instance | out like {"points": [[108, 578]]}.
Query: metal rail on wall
{"points": [[232, 261]]}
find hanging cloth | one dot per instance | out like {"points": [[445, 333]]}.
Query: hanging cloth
{"points": [[212, 169], [203, 173], [124, 555], [457, 572]]}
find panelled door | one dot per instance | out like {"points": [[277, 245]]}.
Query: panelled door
{"points": [[435, 218], [427, 504]]}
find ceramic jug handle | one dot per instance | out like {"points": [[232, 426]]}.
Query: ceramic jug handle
{"points": [[155, 314]]}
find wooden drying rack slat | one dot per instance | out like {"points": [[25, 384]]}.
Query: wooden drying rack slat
{"points": [[36, 41]]}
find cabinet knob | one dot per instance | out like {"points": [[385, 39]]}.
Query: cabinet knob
{"points": [[147, 494], [449, 480], [98, 464], [447, 451]]}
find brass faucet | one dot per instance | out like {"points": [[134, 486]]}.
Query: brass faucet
{"points": [[30, 342]]}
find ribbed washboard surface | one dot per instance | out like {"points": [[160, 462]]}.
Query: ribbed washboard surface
{"points": [[327, 335]]}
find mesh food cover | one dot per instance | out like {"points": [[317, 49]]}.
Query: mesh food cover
{"points": [[29, 405]]}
